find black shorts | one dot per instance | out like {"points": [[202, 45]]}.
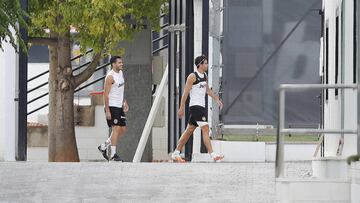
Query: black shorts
{"points": [[117, 117], [198, 116]]}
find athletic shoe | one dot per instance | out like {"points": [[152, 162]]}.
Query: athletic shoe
{"points": [[116, 158], [103, 152], [216, 156], [176, 157]]}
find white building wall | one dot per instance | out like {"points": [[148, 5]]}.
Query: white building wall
{"points": [[350, 99], [333, 107], [8, 67]]}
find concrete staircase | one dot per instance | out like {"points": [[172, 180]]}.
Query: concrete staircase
{"points": [[333, 181], [312, 190]]}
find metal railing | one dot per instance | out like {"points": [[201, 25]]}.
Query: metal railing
{"points": [[281, 130], [164, 38], [77, 90], [45, 72]]}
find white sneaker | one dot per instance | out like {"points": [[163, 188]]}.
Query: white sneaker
{"points": [[216, 156], [105, 145], [176, 157]]}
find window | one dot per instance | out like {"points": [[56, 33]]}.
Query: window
{"points": [[38, 54]]}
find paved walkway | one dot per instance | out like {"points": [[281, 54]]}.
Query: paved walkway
{"points": [[141, 182]]}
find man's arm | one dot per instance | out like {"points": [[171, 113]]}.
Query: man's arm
{"points": [[125, 106], [189, 83], [108, 82], [215, 97]]}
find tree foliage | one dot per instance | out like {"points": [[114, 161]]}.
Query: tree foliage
{"points": [[100, 24], [11, 16]]}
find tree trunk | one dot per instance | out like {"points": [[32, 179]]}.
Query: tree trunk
{"points": [[62, 142], [52, 102]]}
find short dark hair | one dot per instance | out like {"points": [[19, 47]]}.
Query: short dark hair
{"points": [[200, 60], [113, 59]]}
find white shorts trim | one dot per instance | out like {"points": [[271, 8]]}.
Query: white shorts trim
{"points": [[201, 123]]}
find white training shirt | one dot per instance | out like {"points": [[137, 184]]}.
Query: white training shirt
{"points": [[198, 90], [116, 94]]}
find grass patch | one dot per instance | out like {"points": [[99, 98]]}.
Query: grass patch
{"points": [[271, 138]]}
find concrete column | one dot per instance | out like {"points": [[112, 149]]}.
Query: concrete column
{"points": [[8, 67], [138, 83]]}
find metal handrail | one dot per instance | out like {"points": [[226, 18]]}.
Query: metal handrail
{"points": [[37, 87], [161, 27], [45, 83], [37, 109], [164, 25], [157, 50], [281, 130], [36, 98], [82, 65], [81, 55], [47, 104], [160, 38], [37, 76], [45, 94], [72, 59], [87, 85]]}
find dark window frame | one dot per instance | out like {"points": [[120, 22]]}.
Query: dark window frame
{"points": [[355, 42], [337, 34], [326, 58]]}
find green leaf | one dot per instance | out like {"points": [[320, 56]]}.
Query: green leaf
{"points": [[109, 20]]}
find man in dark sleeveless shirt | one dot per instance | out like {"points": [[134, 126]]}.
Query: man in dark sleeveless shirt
{"points": [[196, 85]]}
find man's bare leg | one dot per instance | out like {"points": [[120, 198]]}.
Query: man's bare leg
{"points": [[182, 141], [207, 142], [206, 138], [185, 136], [117, 132], [111, 141]]}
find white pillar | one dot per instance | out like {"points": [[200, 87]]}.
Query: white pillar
{"points": [[350, 96], [8, 67], [197, 52]]}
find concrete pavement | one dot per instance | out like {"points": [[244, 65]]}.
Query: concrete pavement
{"points": [[141, 182]]}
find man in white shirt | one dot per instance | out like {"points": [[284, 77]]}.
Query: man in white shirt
{"points": [[196, 85], [115, 107]]}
